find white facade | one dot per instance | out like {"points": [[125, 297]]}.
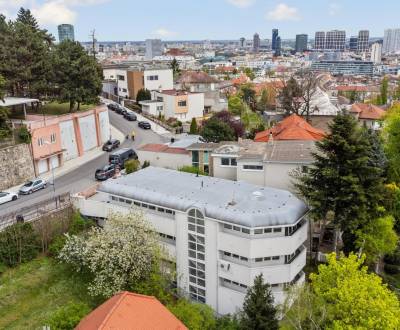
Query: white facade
{"points": [[158, 79], [376, 53], [68, 139], [216, 259], [153, 48], [391, 41], [87, 127]]}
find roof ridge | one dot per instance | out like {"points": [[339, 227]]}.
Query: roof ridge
{"points": [[111, 311]]}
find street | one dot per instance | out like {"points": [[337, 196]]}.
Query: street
{"points": [[83, 176]]}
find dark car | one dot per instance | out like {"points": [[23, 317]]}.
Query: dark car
{"points": [[105, 173], [111, 145], [112, 106], [130, 115], [119, 109], [144, 124], [120, 156]]}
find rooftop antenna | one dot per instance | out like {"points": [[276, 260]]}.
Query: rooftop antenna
{"points": [[92, 36], [232, 202]]}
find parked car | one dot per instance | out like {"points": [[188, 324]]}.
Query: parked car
{"points": [[105, 173], [110, 145], [130, 115], [112, 106], [119, 157], [7, 197], [144, 124], [119, 109], [32, 186]]}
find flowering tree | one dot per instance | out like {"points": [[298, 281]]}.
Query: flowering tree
{"points": [[117, 256]]}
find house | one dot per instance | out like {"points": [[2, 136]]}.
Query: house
{"points": [[179, 104], [56, 139], [130, 79], [128, 311], [201, 82], [222, 233], [368, 115], [200, 155], [291, 128], [266, 164]]}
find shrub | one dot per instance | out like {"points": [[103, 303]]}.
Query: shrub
{"points": [[68, 316], [191, 169], [393, 259], [391, 269], [79, 224], [24, 135], [57, 245], [146, 163], [131, 166]]}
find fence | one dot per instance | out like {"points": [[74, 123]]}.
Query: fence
{"points": [[35, 211]]}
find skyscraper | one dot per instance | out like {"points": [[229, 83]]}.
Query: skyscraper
{"points": [[319, 42], [275, 34], [65, 32], [363, 41], [153, 48], [391, 41], [376, 53], [241, 42], [335, 40], [353, 44], [301, 43], [278, 47], [256, 42]]}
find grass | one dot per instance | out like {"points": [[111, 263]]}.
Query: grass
{"points": [[31, 292], [55, 108]]}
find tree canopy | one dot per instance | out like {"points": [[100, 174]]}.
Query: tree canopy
{"points": [[143, 94], [222, 127]]}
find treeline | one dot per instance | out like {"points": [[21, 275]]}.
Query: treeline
{"points": [[34, 66]]}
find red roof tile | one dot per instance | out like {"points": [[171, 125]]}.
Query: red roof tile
{"points": [[291, 128], [196, 77], [154, 147], [130, 311], [367, 111]]}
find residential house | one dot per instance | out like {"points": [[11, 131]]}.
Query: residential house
{"points": [[221, 233], [368, 115], [127, 310]]}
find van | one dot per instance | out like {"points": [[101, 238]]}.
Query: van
{"points": [[120, 156]]}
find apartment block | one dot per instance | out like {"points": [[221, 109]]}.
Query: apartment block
{"points": [[221, 233]]}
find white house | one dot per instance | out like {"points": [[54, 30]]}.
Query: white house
{"points": [[221, 233]]}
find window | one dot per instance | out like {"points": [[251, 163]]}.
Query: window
{"points": [[120, 77], [277, 230], [155, 77], [40, 142], [258, 231], [195, 158], [159, 108], [233, 162], [181, 103], [253, 167], [225, 161], [124, 90], [267, 230], [53, 137], [159, 98], [205, 157], [275, 258]]}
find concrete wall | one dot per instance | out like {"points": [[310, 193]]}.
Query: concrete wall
{"points": [[68, 140], [166, 160], [165, 79], [278, 175], [16, 166], [223, 172], [88, 132]]}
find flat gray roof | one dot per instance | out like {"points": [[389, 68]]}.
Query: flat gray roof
{"points": [[239, 203], [10, 101]]}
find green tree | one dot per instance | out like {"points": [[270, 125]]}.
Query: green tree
{"points": [[384, 91], [131, 166], [248, 94], [174, 65], [259, 312], [68, 316], [291, 97], [215, 130], [194, 315], [343, 182], [78, 75], [143, 95], [235, 105], [249, 73], [355, 299], [193, 127], [391, 137], [2, 88]]}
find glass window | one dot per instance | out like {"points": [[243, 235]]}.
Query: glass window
{"points": [[225, 161], [205, 157], [277, 230], [267, 230], [259, 259], [227, 226], [275, 258], [152, 207], [195, 157], [245, 231], [233, 162], [258, 231]]}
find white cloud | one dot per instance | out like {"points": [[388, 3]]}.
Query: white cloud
{"points": [[54, 13], [163, 33], [241, 3], [334, 9], [282, 12]]}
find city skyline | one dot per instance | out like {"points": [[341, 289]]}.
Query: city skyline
{"points": [[117, 20]]}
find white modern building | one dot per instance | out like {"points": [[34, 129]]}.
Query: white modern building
{"points": [[221, 233], [391, 41], [153, 48], [376, 53]]}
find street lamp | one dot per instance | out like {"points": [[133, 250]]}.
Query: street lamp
{"points": [[52, 167]]}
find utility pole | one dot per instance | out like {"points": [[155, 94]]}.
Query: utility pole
{"points": [[92, 36]]}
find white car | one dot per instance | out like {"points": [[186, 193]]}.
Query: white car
{"points": [[7, 197]]}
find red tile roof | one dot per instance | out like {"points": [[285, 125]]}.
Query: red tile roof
{"points": [[196, 77], [356, 88], [240, 80], [291, 128], [367, 111], [130, 311], [154, 147]]}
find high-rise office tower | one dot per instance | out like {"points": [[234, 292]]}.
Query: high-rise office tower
{"points": [[153, 48], [353, 44], [301, 43], [256, 42], [241, 42], [275, 34], [376, 53], [66, 32], [335, 40], [391, 41], [278, 47], [363, 41], [319, 42]]}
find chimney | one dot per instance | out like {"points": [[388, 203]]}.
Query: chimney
{"points": [[271, 138]]}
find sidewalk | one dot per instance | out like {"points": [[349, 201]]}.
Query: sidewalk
{"points": [[73, 164]]}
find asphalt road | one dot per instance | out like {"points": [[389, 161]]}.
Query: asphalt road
{"points": [[83, 176]]}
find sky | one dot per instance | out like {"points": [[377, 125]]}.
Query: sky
{"points": [[137, 20]]}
